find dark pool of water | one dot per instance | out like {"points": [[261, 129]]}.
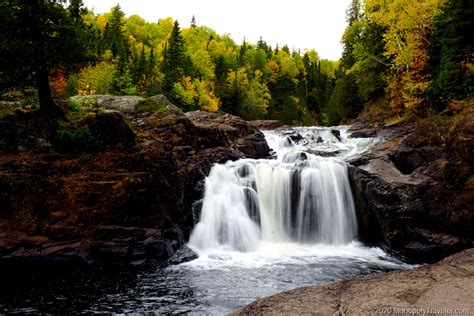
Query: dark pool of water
{"points": [[215, 285]]}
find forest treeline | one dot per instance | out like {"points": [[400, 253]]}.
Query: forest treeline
{"points": [[419, 53]]}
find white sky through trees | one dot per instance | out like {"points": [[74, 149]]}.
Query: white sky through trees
{"points": [[303, 24]]}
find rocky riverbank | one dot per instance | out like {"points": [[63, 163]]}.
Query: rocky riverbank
{"points": [[123, 198], [414, 191], [444, 288]]}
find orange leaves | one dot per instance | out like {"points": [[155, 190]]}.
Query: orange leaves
{"points": [[274, 70], [58, 81]]}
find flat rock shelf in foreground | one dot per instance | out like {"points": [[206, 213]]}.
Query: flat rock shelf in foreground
{"points": [[444, 288]]}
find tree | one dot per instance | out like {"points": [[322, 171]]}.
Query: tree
{"points": [[370, 64], [235, 91], [37, 36], [256, 102], [176, 63], [97, 79], [344, 102], [114, 34], [450, 53], [408, 27], [353, 14]]}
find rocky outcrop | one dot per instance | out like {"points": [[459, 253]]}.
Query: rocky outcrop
{"points": [[104, 246], [124, 104], [231, 131], [414, 191], [443, 288], [129, 201]]}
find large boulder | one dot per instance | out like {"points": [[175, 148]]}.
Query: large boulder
{"points": [[110, 129], [414, 192]]}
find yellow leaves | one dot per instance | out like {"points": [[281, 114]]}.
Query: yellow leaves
{"points": [[259, 93], [107, 56], [274, 70], [86, 91], [203, 64], [196, 94], [313, 56], [409, 24], [95, 79], [229, 51], [205, 97], [101, 22], [184, 92], [238, 78], [287, 66]]}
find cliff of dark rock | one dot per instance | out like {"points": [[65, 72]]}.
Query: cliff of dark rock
{"points": [[125, 197], [414, 191]]}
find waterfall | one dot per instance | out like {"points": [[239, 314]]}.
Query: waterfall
{"points": [[303, 195]]}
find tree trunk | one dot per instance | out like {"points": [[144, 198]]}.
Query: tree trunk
{"points": [[47, 105], [46, 102]]}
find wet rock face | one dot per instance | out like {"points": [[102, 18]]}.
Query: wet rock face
{"points": [[129, 202], [414, 193]]}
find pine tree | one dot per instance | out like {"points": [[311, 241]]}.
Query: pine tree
{"points": [[242, 51], [353, 14], [176, 62], [451, 52], [37, 36], [117, 41]]}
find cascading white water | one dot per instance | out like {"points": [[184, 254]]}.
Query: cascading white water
{"points": [[269, 225], [301, 196]]}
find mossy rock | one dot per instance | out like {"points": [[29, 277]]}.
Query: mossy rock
{"points": [[125, 104], [158, 104], [150, 106]]}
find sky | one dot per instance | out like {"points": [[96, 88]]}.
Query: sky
{"points": [[301, 24]]}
